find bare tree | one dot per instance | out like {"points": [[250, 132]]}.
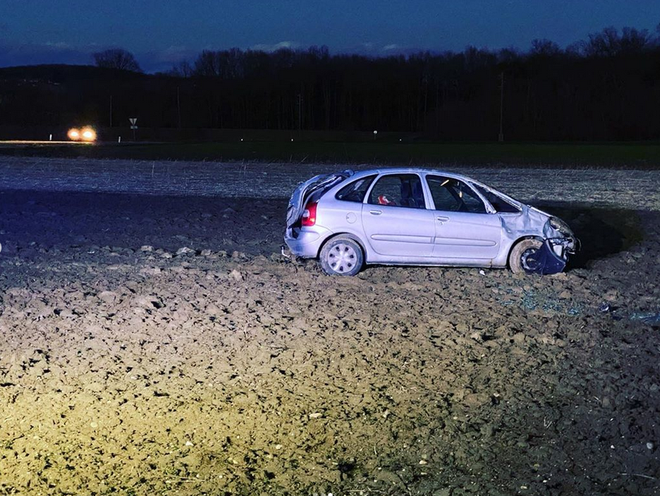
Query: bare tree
{"points": [[181, 70], [224, 64], [116, 58], [596, 89], [634, 41], [609, 42], [545, 48]]}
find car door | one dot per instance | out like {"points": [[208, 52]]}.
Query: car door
{"points": [[464, 231], [396, 222]]}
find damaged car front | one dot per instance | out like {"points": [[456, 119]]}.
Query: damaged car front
{"points": [[540, 242], [547, 254], [560, 242]]}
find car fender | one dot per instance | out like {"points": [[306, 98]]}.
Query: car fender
{"points": [[516, 227]]}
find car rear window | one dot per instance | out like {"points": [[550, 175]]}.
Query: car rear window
{"points": [[355, 191]]}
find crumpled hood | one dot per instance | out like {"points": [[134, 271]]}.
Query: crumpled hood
{"points": [[530, 221]]}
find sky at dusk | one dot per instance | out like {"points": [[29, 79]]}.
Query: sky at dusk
{"points": [[163, 32]]}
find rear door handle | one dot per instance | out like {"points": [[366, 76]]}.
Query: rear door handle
{"points": [[441, 218], [375, 212]]}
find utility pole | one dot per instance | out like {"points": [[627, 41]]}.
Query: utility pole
{"points": [[437, 107], [300, 104], [178, 107], [501, 137]]}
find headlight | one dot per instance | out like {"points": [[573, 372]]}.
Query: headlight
{"points": [[561, 226], [88, 134], [85, 134]]}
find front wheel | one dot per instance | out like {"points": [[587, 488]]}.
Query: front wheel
{"points": [[341, 256], [523, 257]]}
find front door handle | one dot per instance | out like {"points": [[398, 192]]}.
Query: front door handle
{"points": [[375, 212], [441, 218]]}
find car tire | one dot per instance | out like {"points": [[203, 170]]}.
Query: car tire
{"points": [[520, 252], [341, 256]]}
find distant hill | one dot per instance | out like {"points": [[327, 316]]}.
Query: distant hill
{"points": [[67, 95], [62, 73]]}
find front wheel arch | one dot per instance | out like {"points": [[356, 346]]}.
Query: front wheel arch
{"points": [[514, 265]]}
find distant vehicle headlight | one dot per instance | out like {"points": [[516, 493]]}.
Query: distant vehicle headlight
{"points": [[88, 134]]}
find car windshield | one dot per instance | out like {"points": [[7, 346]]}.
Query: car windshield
{"points": [[499, 204]]}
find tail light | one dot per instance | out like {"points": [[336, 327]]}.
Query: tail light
{"points": [[309, 215]]}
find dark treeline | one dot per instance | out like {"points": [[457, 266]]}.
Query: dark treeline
{"points": [[604, 88]]}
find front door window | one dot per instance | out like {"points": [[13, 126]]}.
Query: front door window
{"points": [[452, 195]]}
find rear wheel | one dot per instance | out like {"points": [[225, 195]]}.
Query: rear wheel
{"points": [[523, 256], [341, 256]]}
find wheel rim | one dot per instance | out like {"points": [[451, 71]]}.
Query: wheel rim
{"points": [[342, 258], [529, 259]]}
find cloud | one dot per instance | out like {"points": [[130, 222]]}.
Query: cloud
{"points": [[373, 49], [57, 45], [174, 54], [277, 46], [57, 52], [163, 60]]}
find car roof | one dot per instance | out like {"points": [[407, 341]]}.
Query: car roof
{"points": [[412, 170], [419, 170]]}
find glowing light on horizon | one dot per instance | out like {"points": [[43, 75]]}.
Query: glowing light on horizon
{"points": [[87, 133]]}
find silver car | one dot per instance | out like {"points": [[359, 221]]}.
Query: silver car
{"points": [[420, 217]]}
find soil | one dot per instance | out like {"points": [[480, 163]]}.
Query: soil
{"points": [[154, 344]]}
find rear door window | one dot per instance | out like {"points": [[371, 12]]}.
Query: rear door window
{"points": [[355, 191], [398, 190]]}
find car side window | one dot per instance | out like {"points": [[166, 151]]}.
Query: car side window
{"points": [[355, 191], [398, 190], [452, 195]]}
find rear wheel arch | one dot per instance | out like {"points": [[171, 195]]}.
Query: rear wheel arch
{"points": [[342, 255], [351, 236]]}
